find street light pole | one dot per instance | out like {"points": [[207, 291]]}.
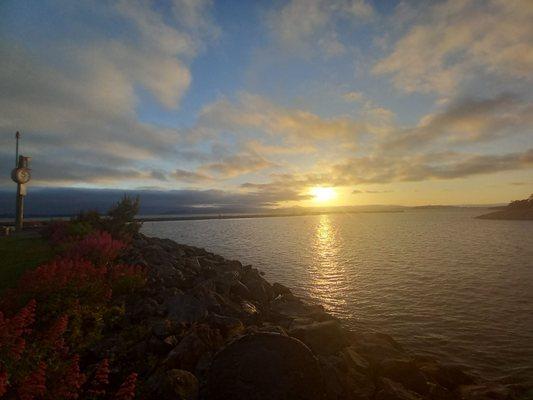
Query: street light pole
{"points": [[20, 175], [17, 137]]}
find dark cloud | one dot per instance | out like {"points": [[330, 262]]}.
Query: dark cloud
{"points": [[467, 120], [430, 166], [68, 201], [182, 175]]}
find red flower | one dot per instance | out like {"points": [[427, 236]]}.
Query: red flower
{"points": [[34, 384], [127, 389], [69, 383], [3, 382], [99, 247], [12, 344], [54, 335], [100, 379]]}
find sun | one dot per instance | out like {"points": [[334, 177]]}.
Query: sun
{"points": [[323, 194]]}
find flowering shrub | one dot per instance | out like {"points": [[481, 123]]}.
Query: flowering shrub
{"points": [[127, 389], [98, 247], [63, 308]]}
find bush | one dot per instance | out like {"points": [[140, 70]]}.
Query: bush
{"points": [[121, 218], [64, 306]]}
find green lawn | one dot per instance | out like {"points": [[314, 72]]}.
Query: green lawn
{"points": [[17, 254]]}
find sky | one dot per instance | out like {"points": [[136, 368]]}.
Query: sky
{"points": [[384, 102]]}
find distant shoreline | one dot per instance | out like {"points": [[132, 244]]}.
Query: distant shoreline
{"points": [[242, 216]]}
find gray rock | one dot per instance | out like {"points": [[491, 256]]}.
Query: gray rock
{"points": [[322, 337], [376, 347], [180, 385], [280, 290], [228, 326], [404, 372], [488, 391], [448, 376], [259, 288], [185, 308], [354, 360], [194, 345], [390, 390], [265, 366]]}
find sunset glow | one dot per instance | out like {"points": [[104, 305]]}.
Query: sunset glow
{"points": [[249, 105], [323, 194]]}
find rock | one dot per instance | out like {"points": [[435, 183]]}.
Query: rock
{"points": [[185, 308], [448, 376], [164, 327], [487, 391], [294, 308], [259, 288], [265, 366], [404, 372], [343, 382], [437, 392], [145, 308], [248, 308], [376, 346], [322, 337], [158, 346], [200, 340], [241, 291], [354, 360], [180, 385], [279, 290], [390, 390], [273, 329], [228, 326]]}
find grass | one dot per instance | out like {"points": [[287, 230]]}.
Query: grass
{"points": [[18, 254]]}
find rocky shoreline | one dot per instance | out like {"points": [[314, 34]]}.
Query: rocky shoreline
{"points": [[209, 328]]}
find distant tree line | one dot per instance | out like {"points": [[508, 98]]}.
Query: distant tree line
{"points": [[526, 203]]}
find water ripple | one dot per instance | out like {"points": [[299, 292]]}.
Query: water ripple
{"points": [[442, 283]]}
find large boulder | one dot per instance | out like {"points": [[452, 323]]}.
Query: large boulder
{"points": [[265, 366], [448, 376], [199, 344], [404, 372], [181, 385], [325, 337], [260, 289]]}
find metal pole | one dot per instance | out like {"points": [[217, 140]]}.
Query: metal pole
{"points": [[17, 136], [19, 218]]}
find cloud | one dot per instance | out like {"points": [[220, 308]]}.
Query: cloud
{"points": [[79, 99], [353, 96], [301, 24], [450, 165], [253, 112], [236, 165], [357, 191], [453, 39], [182, 175], [468, 120]]}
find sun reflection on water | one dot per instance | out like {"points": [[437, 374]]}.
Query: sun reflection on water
{"points": [[329, 278]]}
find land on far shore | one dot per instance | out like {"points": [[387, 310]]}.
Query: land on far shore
{"points": [[515, 210]]}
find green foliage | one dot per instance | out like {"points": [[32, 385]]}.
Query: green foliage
{"points": [[120, 222], [20, 254]]}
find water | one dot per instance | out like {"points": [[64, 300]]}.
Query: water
{"points": [[441, 282]]}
